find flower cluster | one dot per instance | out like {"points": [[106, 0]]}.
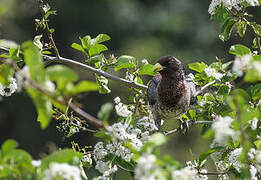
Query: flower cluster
{"points": [[222, 129], [146, 167], [230, 4], [10, 89], [121, 109], [211, 72], [62, 170], [190, 172]]}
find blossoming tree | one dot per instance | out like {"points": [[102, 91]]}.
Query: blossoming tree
{"points": [[230, 109]]}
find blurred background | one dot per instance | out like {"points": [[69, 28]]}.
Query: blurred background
{"points": [[145, 29]]}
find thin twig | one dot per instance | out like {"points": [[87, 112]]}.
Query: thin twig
{"points": [[189, 123], [213, 173], [94, 121], [92, 69], [57, 54], [204, 87]]}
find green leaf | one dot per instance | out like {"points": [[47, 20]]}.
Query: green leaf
{"points": [[125, 62], [60, 72], [43, 107], [6, 72], [221, 13], [63, 156], [105, 111], [103, 135], [239, 50], [34, 61], [102, 84], [2, 9], [222, 92], [146, 69], [8, 146], [101, 38], [95, 59], [86, 42], [205, 154], [199, 67], [241, 28], [85, 86], [227, 29], [78, 47], [158, 139], [97, 49]]}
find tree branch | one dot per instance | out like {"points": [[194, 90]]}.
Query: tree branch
{"points": [[204, 87], [189, 123], [92, 120], [92, 69]]}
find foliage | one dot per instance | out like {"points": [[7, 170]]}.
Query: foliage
{"points": [[232, 104]]}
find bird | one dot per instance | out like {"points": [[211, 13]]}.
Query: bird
{"points": [[171, 92]]}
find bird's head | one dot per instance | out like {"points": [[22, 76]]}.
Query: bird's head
{"points": [[168, 64]]}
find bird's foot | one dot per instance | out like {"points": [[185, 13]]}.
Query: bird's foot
{"points": [[184, 127]]}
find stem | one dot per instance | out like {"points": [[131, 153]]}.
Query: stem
{"points": [[189, 123], [57, 54], [204, 87], [127, 83], [94, 121]]}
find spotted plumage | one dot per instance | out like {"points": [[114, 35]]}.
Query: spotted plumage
{"points": [[170, 92]]}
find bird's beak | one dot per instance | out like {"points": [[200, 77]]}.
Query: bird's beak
{"points": [[157, 67]]}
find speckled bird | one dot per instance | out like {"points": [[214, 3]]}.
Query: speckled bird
{"points": [[170, 92]]}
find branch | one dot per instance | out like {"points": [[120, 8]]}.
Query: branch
{"points": [[204, 87], [97, 71], [189, 123], [48, 29], [92, 69], [94, 121]]}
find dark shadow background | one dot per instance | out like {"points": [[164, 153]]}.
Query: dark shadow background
{"points": [[140, 28]]}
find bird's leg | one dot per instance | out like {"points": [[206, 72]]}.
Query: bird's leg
{"points": [[184, 126]]}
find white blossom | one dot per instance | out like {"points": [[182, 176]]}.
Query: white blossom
{"points": [[211, 72], [236, 4], [147, 123], [253, 172], [240, 64], [102, 166], [253, 123], [257, 66], [146, 169], [144, 61], [121, 109], [233, 158], [99, 151], [117, 100], [184, 174], [222, 129], [36, 163], [10, 89], [24, 72], [62, 170], [86, 158]]}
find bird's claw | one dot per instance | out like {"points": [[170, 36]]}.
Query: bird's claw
{"points": [[184, 127]]}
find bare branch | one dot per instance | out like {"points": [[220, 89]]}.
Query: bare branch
{"points": [[189, 123]]}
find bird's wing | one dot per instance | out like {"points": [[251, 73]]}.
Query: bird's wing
{"points": [[152, 89]]}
